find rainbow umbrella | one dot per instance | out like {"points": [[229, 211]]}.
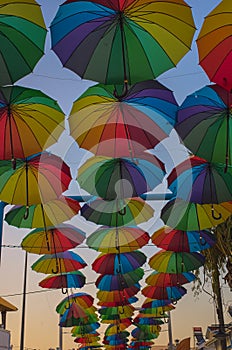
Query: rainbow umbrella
{"points": [[182, 241], [149, 321], [119, 212], [123, 127], [59, 263], [114, 329], [155, 303], [172, 293], [116, 178], [214, 45], [125, 310], [23, 33], [125, 301], [199, 181], [110, 239], [188, 216], [119, 281], [44, 215], [75, 315], [118, 295], [84, 300], [30, 121], [54, 239], [108, 41], [204, 124], [172, 262], [74, 279], [115, 263], [84, 329], [143, 334], [162, 279]]}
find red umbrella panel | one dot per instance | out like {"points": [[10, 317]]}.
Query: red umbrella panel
{"points": [[74, 279]]}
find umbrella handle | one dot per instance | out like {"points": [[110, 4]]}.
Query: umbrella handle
{"points": [[64, 290], [56, 270], [26, 214], [202, 241], [214, 216], [122, 211], [174, 302], [13, 163]]}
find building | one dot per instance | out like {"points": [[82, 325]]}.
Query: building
{"points": [[5, 340]]}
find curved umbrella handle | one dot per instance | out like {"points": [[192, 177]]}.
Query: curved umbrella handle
{"points": [[56, 270], [202, 241], [122, 211], [174, 302], [64, 290], [121, 312], [214, 216], [26, 214]]}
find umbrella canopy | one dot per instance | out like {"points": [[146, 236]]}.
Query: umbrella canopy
{"points": [[162, 279], [204, 124], [172, 262], [189, 216], [84, 329], [74, 279], [54, 239], [114, 329], [113, 127], [148, 321], [128, 301], [76, 315], [108, 41], [22, 33], [199, 181], [127, 310], [109, 239], [59, 263], [172, 293], [119, 212], [214, 45], [43, 215], [119, 281], [30, 121], [155, 303], [141, 334], [116, 178], [115, 263], [182, 241], [84, 300], [37, 179], [118, 295]]}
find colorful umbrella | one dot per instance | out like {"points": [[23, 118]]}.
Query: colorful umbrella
{"points": [[149, 321], [107, 41], [152, 303], [126, 310], [119, 281], [214, 45], [189, 216], [54, 239], [75, 315], [162, 279], [172, 293], [74, 279], [114, 329], [23, 33], [108, 126], [37, 179], [172, 262], [182, 241], [48, 214], [110, 239], [118, 295], [84, 329], [128, 301], [141, 334], [59, 263], [199, 181], [117, 178], [115, 263], [204, 124], [119, 212], [30, 121], [84, 300]]}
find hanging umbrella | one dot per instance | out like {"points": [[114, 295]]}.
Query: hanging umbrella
{"points": [[128, 301], [114, 329], [127, 310], [214, 45], [59, 263], [172, 262], [204, 124], [84, 329], [182, 241], [30, 121], [118, 295], [84, 300], [155, 303], [172, 293], [74, 279], [119, 281], [150, 321], [76, 315], [199, 181], [115, 263], [22, 33], [188, 216], [113, 127], [55, 239], [158, 312], [117, 178], [119, 212], [141, 334], [108, 41], [110, 239], [48, 214], [37, 179], [162, 279]]}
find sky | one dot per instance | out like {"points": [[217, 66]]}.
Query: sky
{"points": [[41, 326]]}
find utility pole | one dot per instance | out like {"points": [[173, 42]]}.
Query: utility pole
{"points": [[170, 339], [24, 303]]}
